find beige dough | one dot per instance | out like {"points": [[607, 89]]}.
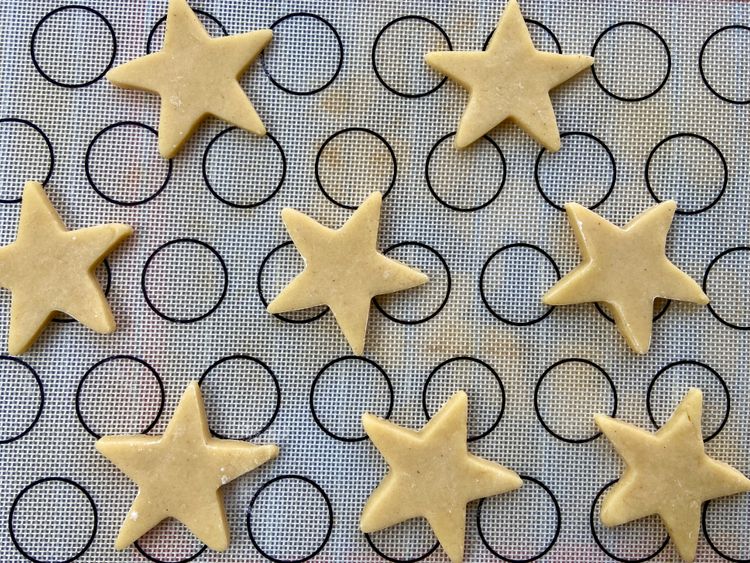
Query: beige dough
{"points": [[432, 475], [196, 76], [50, 269], [510, 80], [343, 269], [625, 268], [667, 473], [179, 474]]}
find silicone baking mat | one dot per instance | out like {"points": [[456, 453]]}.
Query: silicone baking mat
{"points": [[351, 108]]}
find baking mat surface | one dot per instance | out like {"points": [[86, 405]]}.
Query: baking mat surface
{"points": [[351, 108]]}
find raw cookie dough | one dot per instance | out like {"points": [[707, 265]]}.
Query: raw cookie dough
{"points": [[625, 268], [343, 269], [50, 269], [510, 80], [196, 76], [667, 473], [432, 475], [179, 474]]}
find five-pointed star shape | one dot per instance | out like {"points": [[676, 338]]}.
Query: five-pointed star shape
{"points": [[667, 473], [50, 269], [196, 76], [343, 269], [432, 475], [625, 268], [180, 473], [510, 80]]}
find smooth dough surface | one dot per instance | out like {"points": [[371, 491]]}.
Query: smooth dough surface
{"points": [[625, 268], [179, 474], [196, 76], [343, 269], [667, 473], [49, 269], [509, 80], [432, 475]]}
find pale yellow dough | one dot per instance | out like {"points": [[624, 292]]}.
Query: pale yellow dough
{"points": [[196, 76], [432, 475], [667, 473], [180, 474], [50, 269], [343, 269], [625, 268], [510, 80]]}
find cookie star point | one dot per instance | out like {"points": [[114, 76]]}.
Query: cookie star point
{"points": [[667, 473], [431, 475], [195, 75], [180, 473], [509, 80], [343, 269], [627, 268]]}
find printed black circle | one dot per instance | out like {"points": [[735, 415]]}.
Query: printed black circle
{"points": [[439, 308], [547, 548], [537, 24], [421, 525], [701, 64], [244, 176], [18, 398], [710, 541], [45, 19], [329, 507], [598, 541], [374, 56], [90, 175], [712, 304], [710, 370], [180, 542], [329, 365], [264, 301], [483, 291], [206, 17], [484, 365], [10, 162], [214, 307], [377, 136], [666, 52], [265, 369], [718, 152], [339, 63], [660, 307], [151, 371], [465, 152], [549, 370], [107, 286], [64, 481], [611, 159]]}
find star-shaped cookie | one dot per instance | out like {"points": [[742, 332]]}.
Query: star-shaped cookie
{"points": [[432, 475], [49, 269], [625, 268], [667, 473], [509, 80], [196, 76], [180, 474], [343, 269]]}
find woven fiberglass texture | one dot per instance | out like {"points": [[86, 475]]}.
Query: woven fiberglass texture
{"points": [[347, 115]]}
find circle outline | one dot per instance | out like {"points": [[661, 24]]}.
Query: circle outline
{"points": [[666, 50], [704, 516], [188, 559], [90, 178], [379, 553], [705, 283], [269, 371], [46, 140], [655, 318], [248, 518], [602, 144], [702, 72], [42, 400], [321, 371], [216, 305], [161, 20], [547, 371], [374, 48]]}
